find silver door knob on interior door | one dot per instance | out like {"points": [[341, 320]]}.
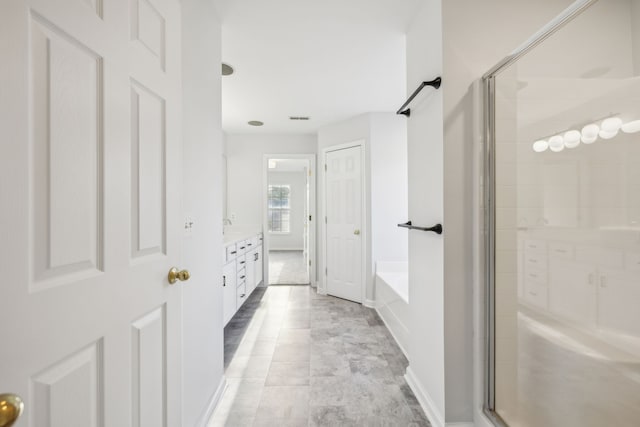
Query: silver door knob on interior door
{"points": [[11, 407], [356, 232]]}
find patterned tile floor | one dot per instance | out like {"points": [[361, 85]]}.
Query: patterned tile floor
{"points": [[295, 358]]}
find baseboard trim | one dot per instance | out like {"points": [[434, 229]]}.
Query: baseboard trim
{"points": [[213, 403], [428, 405], [370, 303]]}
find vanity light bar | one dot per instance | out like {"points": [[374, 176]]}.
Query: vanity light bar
{"points": [[609, 128]]}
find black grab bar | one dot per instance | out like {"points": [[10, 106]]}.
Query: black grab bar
{"points": [[435, 83], [436, 228]]}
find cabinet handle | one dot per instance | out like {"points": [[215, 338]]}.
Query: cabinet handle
{"points": [[533, 261], [242, 262], [591, 278], [224, 280], [533, 275], [250, 244], [535, 294], [242, 296], [234, 252], [256, 257], [562, 251], [603, 282], [242, 277]]}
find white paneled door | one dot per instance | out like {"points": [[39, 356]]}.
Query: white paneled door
{"points": [[343, 188], [90, 206]]}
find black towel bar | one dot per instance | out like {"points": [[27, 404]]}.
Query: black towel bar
{"points": [[435, 83], [436, 228]]}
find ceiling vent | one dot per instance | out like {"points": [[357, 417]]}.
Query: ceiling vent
{"points": [[299, 117]]}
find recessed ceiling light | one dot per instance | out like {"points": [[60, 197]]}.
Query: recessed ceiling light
{"points": [[299, 117], [255, 123], [227, 69]]}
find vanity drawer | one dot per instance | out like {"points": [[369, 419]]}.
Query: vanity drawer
{"points": [[242, 274], [231, 252], [536, 294], [241, 295], [254, 242], [535, 275], [242, 246], [260, 238], [535, 260], [561, 250], [532, 245], [241, 262]]}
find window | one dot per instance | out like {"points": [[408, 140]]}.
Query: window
{"points": [[279, 209]]}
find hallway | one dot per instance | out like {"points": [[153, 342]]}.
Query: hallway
{"points": [[296, 358]]}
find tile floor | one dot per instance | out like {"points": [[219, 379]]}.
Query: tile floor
{"points": [[287, 268], [295, 358]]}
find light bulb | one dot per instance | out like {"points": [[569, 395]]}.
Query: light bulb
{"points": [[631, 127], [607, 134], [540, 146], [572, 139], [612, 124], [556, 143], [590, 133]]}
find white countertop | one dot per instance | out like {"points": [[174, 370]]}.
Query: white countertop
{"points": [[232, 235]]}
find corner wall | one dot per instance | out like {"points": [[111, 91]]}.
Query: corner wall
{"points": [[202, 333]]}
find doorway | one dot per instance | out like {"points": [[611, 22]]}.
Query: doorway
{"points": [[289, 212]]}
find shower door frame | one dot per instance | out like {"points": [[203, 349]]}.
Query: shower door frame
{"points": [[489, 190]]}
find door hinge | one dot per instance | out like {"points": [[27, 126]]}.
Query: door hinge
{"points": [[325, 220], [309, 172], [325, 166], [309, 217], [309, 263]]}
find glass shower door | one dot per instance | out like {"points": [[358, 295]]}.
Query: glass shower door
{"points": [[565, 257]]}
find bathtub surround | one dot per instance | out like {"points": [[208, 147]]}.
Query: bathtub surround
{"points": [[392, 300]]}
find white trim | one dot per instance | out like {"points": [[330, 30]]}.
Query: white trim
{"points": [[386, 321], [480, 419], [312, 211], [213, 403], [364, 214], [459, 424], [428, 405], [369, 303]]}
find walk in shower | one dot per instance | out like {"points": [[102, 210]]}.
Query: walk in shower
{"points": [[563, 222]]}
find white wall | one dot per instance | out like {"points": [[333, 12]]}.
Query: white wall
{"points": [[389, 187], [245, 157], [426, 372], [297, 199], [385, 185], [202, 295]]}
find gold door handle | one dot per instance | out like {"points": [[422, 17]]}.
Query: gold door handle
{"points": [[175, 275], [11, 407], [356, 232]]}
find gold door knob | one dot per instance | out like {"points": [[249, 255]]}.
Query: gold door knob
{"points": [[175, 275], [11, 407], [356, 232]]}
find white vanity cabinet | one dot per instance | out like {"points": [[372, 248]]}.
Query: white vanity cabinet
{"points": [[242, 271]]}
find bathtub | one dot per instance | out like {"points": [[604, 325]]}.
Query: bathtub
{"points": [[392, 299]]}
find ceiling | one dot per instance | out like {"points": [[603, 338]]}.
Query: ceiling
{"points": [[329, 60]]}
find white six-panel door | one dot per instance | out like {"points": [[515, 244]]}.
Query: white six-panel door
{"points": [[90, 205], [343, 193]]}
